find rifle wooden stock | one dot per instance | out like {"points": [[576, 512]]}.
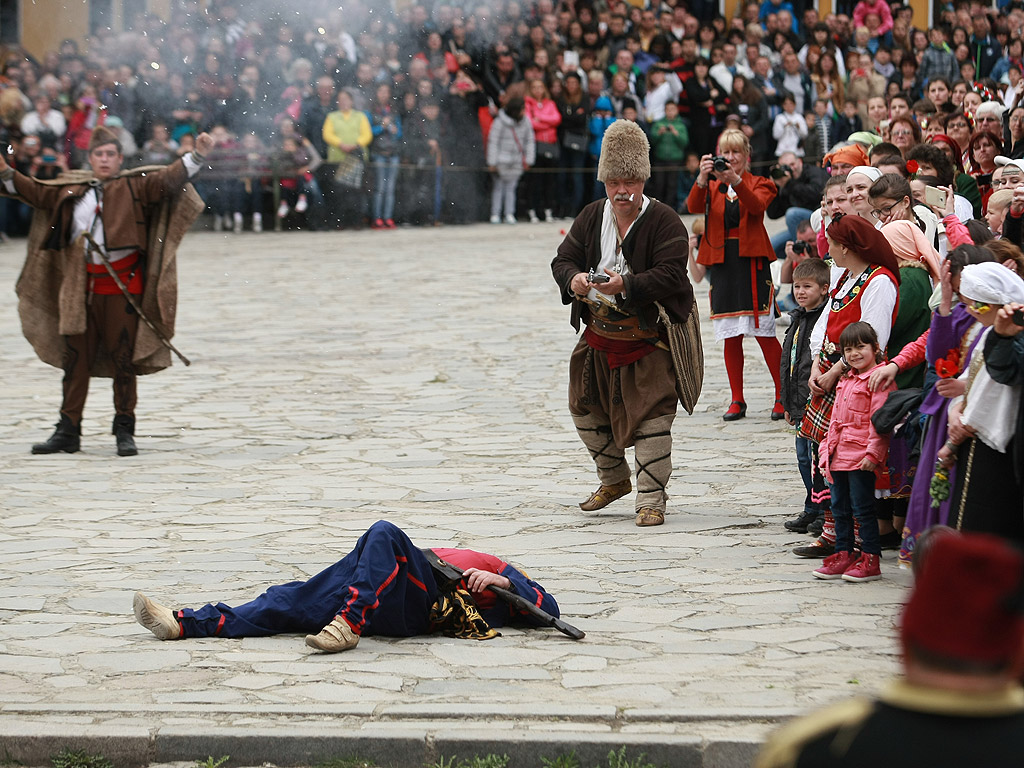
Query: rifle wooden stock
{"points": [[517, 601], [522, 604]]}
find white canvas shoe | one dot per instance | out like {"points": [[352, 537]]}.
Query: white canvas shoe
{"points": [[157, 618], [334, 638]]}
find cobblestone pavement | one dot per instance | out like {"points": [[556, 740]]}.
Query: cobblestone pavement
{"points": [[416, 375]]}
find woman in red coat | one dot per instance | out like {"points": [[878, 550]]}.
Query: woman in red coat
{"points": [[736, 253]]}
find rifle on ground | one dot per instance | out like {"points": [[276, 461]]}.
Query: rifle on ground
{"points": [[518, 602], [93, 247]]}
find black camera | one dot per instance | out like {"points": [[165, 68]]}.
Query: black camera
{"points": [[720, 164], [780, 171], [800, 247]]}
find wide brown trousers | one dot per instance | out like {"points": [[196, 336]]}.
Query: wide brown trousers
{"points": [[110, 329]]}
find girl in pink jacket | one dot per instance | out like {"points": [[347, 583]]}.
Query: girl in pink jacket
{"points": [[850, 453]]}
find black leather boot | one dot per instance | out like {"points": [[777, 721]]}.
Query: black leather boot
{"points": [[124, 429], [67, 438]]}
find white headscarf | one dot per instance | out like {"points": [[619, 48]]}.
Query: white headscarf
{"points": [[866, 170], [991, 407], [991, 283]]}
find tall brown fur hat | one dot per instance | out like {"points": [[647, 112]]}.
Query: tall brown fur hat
{"points": [[625, 152], [102, 135]]}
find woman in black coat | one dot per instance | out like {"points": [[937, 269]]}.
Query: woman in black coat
{"points": [[750, 104], [707, 100]]}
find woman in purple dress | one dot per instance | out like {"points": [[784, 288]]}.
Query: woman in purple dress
{"points": [[952, 336]]}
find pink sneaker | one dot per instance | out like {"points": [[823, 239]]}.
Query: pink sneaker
{"points": [[835, 565], [866, 568]]}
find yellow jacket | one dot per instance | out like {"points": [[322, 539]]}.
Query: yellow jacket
{"points": [[352, 127]]}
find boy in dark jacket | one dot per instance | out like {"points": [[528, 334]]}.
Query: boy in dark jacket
{"points": [[424, 148], [810, 289]]}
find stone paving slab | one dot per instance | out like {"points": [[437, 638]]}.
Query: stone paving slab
{"points": [[418, 376]]}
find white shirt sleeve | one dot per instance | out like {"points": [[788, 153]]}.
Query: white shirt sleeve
{"points": [[877, 300], [818, 332], [192, 165]]}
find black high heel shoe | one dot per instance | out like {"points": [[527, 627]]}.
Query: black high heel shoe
{"points": [[737, 410]]}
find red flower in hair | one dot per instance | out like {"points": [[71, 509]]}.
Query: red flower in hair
{"points": [[949, 366], [912, 166]]}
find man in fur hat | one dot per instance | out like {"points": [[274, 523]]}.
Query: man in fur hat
{"points": [[622, 385], [72, 311]]}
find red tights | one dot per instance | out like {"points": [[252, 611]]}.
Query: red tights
{"points": [[770, 348]]}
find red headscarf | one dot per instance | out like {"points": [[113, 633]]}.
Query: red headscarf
{"points": [[958, 153], [870, 245]]}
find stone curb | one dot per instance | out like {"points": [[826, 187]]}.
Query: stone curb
{"points": [[396, 744]]}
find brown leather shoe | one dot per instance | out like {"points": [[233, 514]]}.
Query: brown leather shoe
{"points": [[647, 516], [334, 638], [605, 495]]}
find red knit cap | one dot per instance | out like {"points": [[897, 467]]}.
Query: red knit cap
{"points": [[869, 244], [967, 602]]}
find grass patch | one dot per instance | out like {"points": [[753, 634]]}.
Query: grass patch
{"points": [[67, 758]]}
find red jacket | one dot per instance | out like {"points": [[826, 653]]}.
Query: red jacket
{"points": [[754, 193], [545, 119]]}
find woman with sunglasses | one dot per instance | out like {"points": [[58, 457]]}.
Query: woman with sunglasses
{"points": [[865, 284], [988, 492], [904, 133], [946, 349]]}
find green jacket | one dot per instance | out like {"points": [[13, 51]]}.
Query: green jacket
{"points": [[667, 146]]}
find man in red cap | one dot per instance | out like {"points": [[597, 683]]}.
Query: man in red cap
{"points": [[960, 701], [73, 312]]}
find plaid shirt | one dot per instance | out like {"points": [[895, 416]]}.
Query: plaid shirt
{"points": [[938, 62]]}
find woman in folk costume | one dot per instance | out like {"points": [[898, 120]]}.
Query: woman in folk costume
{"points": [[865, 284], [946, 348], [736, 252], [919, 269], [983, 419]]}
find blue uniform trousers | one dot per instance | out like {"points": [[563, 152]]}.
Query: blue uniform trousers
{"points": [[385, 586]]}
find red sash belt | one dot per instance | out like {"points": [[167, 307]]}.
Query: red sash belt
{"points": [[620, 351], [100, 281]]}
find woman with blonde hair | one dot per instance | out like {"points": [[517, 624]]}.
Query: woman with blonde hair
{"points": [[736, 252]]}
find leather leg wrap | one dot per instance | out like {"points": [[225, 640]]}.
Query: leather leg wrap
{"points": [[653, 446], [612, 467]]}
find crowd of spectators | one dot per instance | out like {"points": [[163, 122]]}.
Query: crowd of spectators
{"points": [[367, 113]]}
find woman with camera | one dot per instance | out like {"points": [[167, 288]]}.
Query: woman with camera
{"points": [[736, 253]]}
